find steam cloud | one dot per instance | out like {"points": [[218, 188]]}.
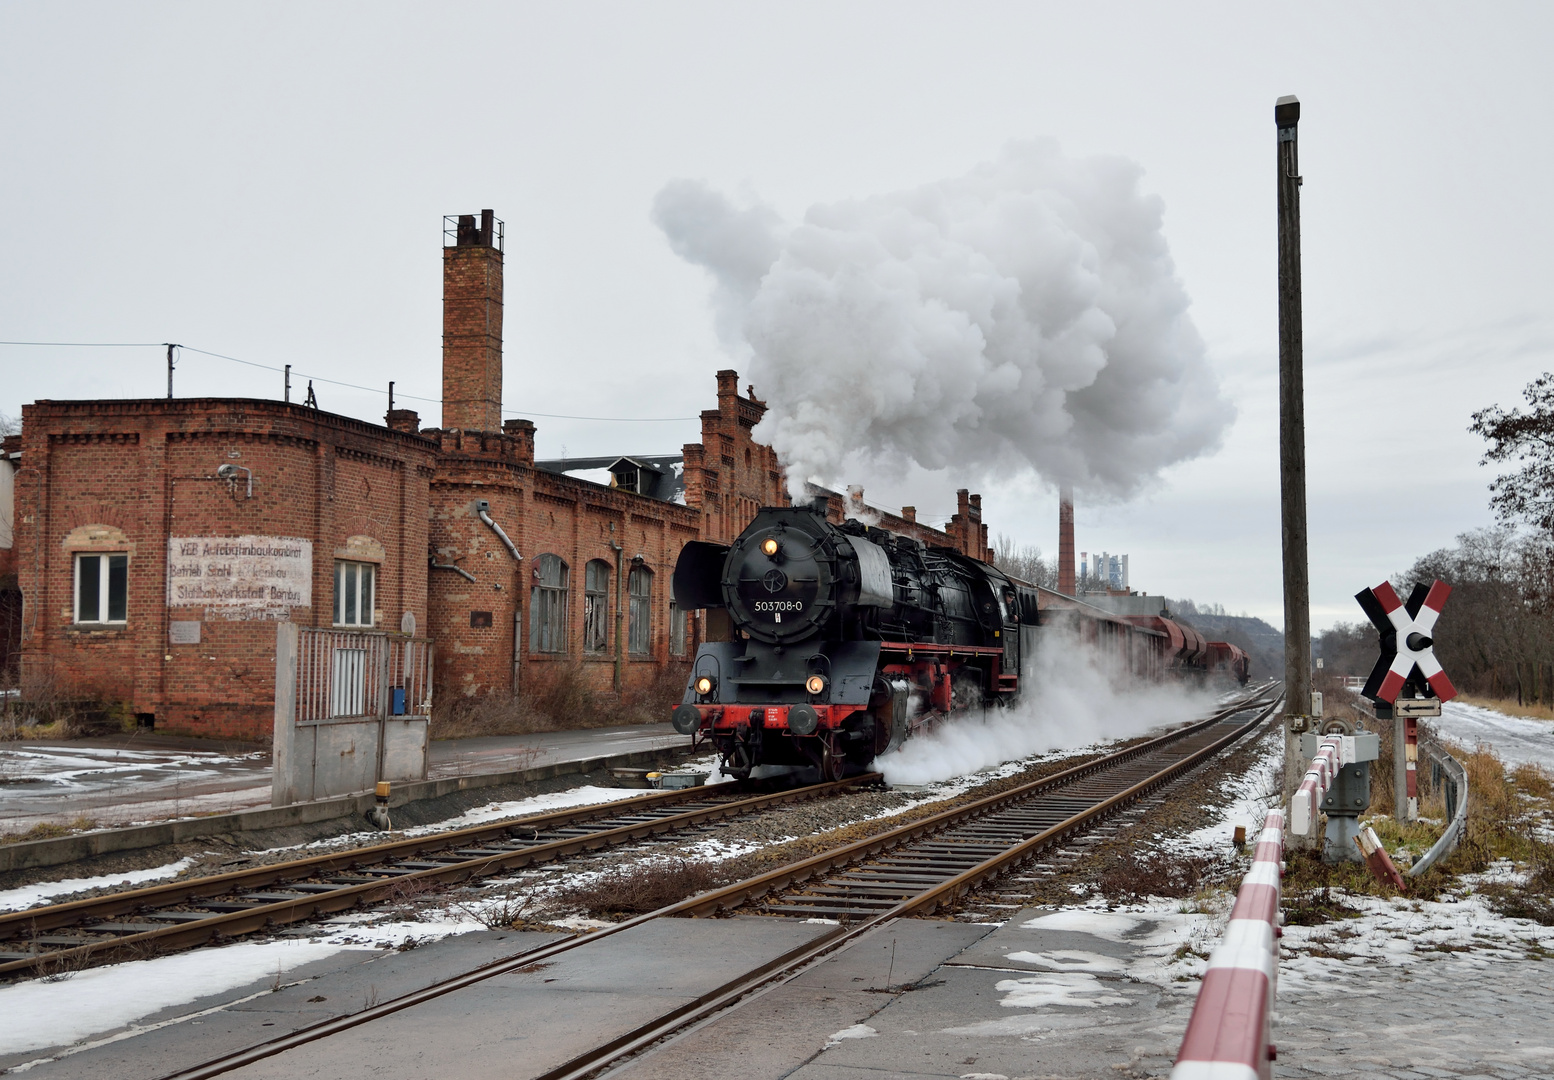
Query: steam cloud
{"points": [[1025, 316], [1078, 698]]}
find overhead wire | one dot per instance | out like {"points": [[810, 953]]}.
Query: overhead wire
{"points": [[506, 411]]}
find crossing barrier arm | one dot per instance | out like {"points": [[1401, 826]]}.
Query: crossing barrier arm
{"points": [[1228, 1036]]}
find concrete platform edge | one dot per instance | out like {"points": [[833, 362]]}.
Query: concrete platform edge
{"points": [[67, 849]]}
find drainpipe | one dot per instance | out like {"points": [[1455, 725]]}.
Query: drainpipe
{"points": [[620, 645], [483, 511], [483, 508]]}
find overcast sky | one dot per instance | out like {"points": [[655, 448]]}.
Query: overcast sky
{"points": [[268, 182]]}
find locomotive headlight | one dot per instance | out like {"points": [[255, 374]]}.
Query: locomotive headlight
{"points": [[704, 685], [769, 546], [815, 683]]}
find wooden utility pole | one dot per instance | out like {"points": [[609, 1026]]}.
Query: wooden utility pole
{"points": [[1292, 452]]}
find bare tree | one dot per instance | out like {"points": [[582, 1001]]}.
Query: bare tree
{"points": [[9, 425], [1023, 561], [1526, 495]]}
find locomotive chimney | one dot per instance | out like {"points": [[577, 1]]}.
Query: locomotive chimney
{"points": [[1066, 540]]}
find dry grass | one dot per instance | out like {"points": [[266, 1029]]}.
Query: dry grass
{"points": [[48, 830], [636, 890], [560, 697], [1161, 875]]}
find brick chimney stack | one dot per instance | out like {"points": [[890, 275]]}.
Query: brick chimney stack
{"points": [[1066, 583], [472, 325]]}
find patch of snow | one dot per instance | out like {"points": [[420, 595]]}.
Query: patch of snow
{"points": [[1039, 991], [857, 1031], [28, 895], [1021, 1026], [400, 933], [41, 1014], [587, 795], [1071, 960]]}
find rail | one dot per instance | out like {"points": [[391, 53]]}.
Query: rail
{"points": [[360, 876], [790, 963]]}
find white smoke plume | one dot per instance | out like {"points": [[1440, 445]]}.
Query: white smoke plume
{"points": [[1073, 698], [1025, 316]]}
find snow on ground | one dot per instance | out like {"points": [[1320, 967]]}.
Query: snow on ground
{"points": [[114, 784], [28, 895], [1242, 799], [1515, 739], [40, 1013], [588, 795]]}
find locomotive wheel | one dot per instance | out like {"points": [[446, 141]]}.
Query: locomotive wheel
{"points": [[833, 762]]}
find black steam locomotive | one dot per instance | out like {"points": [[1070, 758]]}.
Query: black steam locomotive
{"points": [[842, 640]]}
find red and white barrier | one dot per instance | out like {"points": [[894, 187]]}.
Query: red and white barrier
{"points": [[1333, 753], [1377, 859], [1228, 1035]]}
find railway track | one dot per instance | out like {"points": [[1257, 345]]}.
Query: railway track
{"points": [[196, 911], [912, 870]]}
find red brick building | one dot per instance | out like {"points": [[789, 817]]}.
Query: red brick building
{"points": [[157, 541]]}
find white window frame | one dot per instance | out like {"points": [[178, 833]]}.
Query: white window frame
{"points": [[105, 560], [362, 614]]}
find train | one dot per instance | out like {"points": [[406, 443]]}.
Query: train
{"points": [[831, 644]]}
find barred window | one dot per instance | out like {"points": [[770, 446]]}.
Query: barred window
{"points": [[596, 606], [639, 638], [102, 588], [548, 605], [676, 629], [354, 593]]}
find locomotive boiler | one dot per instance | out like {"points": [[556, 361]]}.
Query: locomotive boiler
{"points": [[842, 640]]}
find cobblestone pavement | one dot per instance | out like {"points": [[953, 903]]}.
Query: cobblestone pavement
{"points": [[1459, 1015]]}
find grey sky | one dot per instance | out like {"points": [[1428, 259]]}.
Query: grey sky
{"points": [[268, 182]]}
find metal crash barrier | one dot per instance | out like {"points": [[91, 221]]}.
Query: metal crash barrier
{"points": [[1454, 777]]}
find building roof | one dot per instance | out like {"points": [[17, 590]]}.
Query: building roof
{"points": [[658, 476]]}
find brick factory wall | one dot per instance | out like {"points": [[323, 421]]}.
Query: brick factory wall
{"points": [[128, 476], [543, 513]]}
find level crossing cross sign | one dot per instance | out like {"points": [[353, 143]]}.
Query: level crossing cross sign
{"points": [[1407, 640]]}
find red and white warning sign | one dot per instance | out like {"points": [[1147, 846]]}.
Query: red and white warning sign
{"points": [[1407, 640]]}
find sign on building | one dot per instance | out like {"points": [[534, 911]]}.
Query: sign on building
{"points": [[240, 577]]}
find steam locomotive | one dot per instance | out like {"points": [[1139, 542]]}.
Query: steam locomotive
{"points": [[840, 641]]}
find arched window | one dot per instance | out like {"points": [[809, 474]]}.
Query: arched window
{"points": [[596, 606], [548, 605], [639, 638]]}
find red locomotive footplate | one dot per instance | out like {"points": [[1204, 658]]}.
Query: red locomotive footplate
{"points": [[729, 717]]}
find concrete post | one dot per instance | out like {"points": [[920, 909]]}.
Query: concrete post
{"points": [[282, 767], [1292, 450]]}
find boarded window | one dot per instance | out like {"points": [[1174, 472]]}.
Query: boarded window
{"points": [[639, 639], [354, 586], [676, 629], [596, 606], [102, 588], [548, 605]]}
